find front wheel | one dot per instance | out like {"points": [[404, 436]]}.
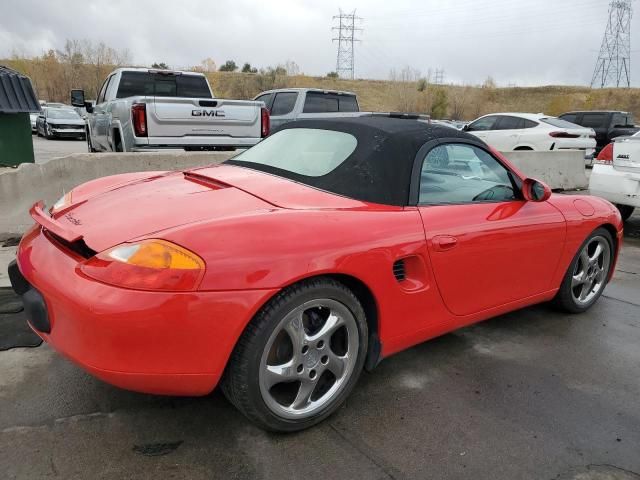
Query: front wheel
{"points": [[625, 211], [588, 273], [299, 358]]}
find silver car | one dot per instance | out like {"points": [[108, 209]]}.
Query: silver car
{"points": [[60, 122]]}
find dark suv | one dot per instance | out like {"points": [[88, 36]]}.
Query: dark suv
{"points": [[607, 124]]}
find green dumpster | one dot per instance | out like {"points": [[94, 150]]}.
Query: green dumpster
{"points": [[17, 100]]}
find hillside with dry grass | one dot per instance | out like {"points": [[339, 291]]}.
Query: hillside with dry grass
{"points": [[53, 78]]}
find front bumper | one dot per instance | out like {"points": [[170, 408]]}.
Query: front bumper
{"points": [[155, 342], [60, 132]]}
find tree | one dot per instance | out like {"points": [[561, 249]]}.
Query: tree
{"points": [[423, 83], [160, 66], [247, 68], [208, 65], [332, 75], [229, 66], [440, 103]]}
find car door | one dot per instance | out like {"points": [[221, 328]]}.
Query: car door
{"points": [[483, 127], [99, 123], [507, 132], [487, 245]]}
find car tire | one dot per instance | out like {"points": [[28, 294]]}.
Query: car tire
{"points": [[307, 309], [47, 132], [588, 273], [117, 142], [625, 211]]}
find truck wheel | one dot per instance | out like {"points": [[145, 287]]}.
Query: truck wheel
{"points": [[117, 142], [625, 211]]}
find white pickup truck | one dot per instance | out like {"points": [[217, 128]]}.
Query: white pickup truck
{"points": [[141, 109]]}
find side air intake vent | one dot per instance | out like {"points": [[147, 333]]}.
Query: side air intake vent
{"points": [[399, 271]]}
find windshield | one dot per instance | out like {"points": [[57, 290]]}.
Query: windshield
{"points": [[63, 114], [303, 151]]}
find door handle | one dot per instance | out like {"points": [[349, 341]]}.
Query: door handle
{"points": [[444, 242]]}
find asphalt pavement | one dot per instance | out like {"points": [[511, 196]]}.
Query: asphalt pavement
{"points": [[534, 394], [44, 150]]}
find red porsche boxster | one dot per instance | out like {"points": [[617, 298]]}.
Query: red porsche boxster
{"points": [[284, 272]]}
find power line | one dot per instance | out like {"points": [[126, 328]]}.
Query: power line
{"points": [[345, 62], [613, 67]]}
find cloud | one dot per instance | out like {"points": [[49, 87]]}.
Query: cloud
{"points": [[523, 42]]}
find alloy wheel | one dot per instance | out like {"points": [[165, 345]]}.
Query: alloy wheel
{"points": [[591, 270], [309, 358]]}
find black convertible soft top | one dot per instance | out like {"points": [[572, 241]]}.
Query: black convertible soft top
{"points": [[380, 168]]}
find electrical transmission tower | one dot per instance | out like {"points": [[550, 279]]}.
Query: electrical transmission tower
{"points": [[439, 77], [345, 63], [613, 67]]}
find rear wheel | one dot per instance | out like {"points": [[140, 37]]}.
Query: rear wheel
{"points": [[625, 211], [299, 358], [117, 142], [588, 273]]}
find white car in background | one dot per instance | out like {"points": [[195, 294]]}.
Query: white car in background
{"points": [[528, 131], [616, 174]]}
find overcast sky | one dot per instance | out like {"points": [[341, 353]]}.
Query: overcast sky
{"points": [[522, 42]]}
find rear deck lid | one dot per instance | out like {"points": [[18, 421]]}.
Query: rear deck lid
{"points": [[143, 208], [626, 155]]}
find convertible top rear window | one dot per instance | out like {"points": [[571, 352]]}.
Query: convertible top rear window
{"points": [[304, 151], [368, 158]]}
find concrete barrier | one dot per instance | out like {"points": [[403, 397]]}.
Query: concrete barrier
{"points": [[561, 169], [23, 186]]}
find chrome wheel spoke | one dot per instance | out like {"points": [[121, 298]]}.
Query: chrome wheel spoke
{"points": [[577, 280], [303, 397], [593, 259], [295, 330], [336, 364], [333, 323], [275, 374]]}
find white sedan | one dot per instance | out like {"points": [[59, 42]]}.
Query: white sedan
{"points": [[616, 174], [529, 131]]}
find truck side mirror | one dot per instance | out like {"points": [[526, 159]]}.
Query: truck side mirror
{"points": [[88, 106], [77, 98]]}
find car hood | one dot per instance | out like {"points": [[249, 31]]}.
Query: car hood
{"points": [[146, 206]]}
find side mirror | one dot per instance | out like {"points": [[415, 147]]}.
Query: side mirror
{"points": [[465, 128], [535, 190], [88, 106], [77, 98]]}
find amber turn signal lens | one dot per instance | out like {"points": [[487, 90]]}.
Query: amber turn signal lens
{"points": [[147, 265], [157, 254]]}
